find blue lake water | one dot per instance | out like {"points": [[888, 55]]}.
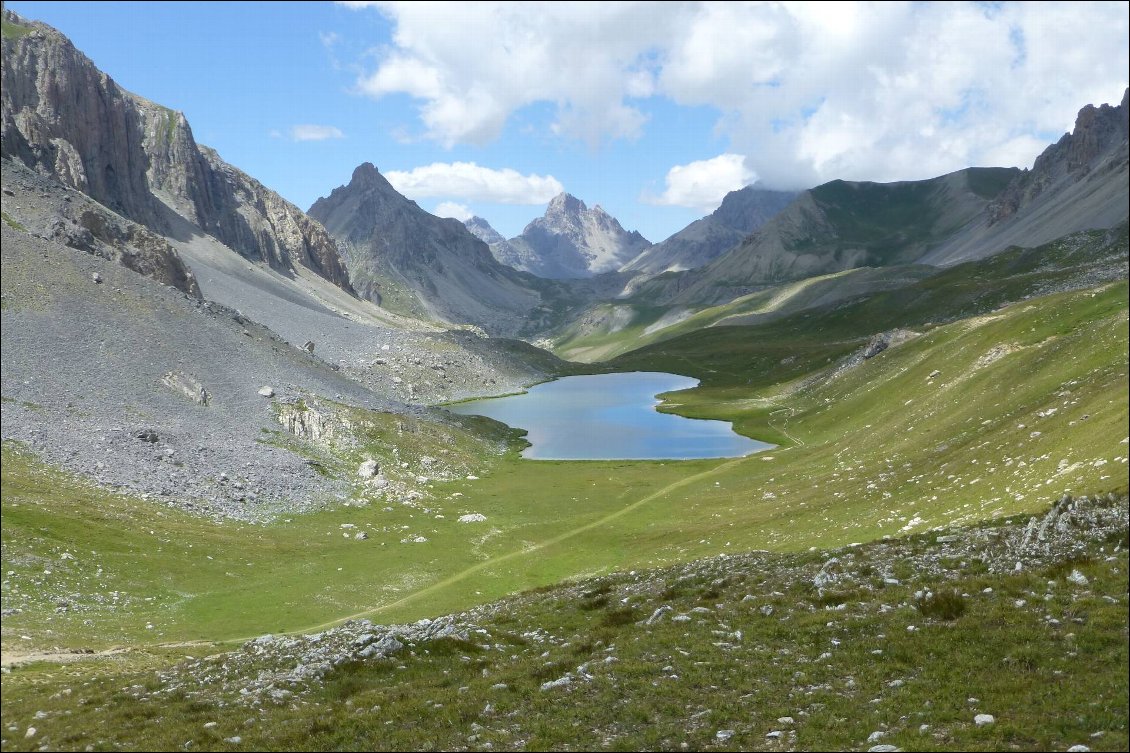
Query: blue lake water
{"points": [[610, 417]]}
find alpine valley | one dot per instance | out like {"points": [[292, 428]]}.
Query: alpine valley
{"points": [[236, 515]]}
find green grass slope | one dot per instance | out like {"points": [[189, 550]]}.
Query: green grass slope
{"points": [[1028, 403]]}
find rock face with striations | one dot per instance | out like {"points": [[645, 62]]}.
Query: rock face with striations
{"points": [[62, 117], [403, 257], [704, 240], [572, 241]]}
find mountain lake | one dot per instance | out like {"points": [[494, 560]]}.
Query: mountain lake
{"points": [[610, 417]]}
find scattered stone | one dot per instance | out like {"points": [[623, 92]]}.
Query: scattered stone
{"points": [[473, 517], [267, 391], [785, 720], [884, 748], [360, 536], [1078, 749], [560, 682], [876, 736], [657, 615], [30, 732], [723, 735], [147, 435], [308, 346], [368, 469], [97, 278], [773, 734], [187, 386], [984, 719], [1077, 578], [234, 740]]}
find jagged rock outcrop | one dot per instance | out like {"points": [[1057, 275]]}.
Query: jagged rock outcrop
{"points": [[42, 207], [403, 257], [1095, 141], [572, 241], [61, 116], [704, 240], [1082, 182]]}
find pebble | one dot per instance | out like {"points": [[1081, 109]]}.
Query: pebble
{"points": [[1078, 749], [983, 719], [724, 734]]}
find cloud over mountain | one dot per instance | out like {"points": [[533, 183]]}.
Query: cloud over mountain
{"points": [[807, 92], [467, 180]]}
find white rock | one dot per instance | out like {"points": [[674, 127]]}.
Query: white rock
{"points": [[561, 682], [1078, 749], [1077, 578], [773, 734], [724, 734], [211, 725], [30, 732], [267, 391], [982, 719], [368, 469], [785, 720], [884, 748], [235, 740], [473, 517], [876, 735]]}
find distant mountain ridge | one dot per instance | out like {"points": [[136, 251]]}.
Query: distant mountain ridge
{"points": [[571, 241], [434, 265], [63, 117], [704, 240]]}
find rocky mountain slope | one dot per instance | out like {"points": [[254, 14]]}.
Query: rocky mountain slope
{"points": [[1081, 182], [403, 257], [63, 117], [837, 226], [571, 241], [482, 230], [704, 240], [1077, 184]]}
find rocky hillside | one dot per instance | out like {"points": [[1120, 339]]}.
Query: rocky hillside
{"points": [[704, 240], [1081, 182], [571, 241], [837, 226], [63, 117], [403, 257]]}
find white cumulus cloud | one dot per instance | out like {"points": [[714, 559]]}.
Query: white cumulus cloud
{"points": [[309, 132], [702, 185], [808, 91], [472, 182], [453, 209]]}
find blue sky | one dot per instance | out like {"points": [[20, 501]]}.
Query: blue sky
{"points": [[652, 111]]}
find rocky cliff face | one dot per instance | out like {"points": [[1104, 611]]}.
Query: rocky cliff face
{"points": [[403, 257], [573, 241], [1097, 142], [1082, 182], [704, 240], [62, 117]]}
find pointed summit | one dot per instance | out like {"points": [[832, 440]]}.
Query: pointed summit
{"points": [[571, 241], [434, 266]]}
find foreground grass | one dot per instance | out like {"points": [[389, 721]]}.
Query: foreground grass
{"points": [[750, 655]]}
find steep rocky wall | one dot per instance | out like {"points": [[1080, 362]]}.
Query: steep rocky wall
{"points": [[63, 117]]}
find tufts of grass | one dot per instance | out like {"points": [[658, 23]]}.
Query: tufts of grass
{"points": [[945, 605]]}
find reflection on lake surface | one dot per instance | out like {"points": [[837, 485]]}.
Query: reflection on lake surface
{"points": [[611, 417]]}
